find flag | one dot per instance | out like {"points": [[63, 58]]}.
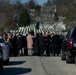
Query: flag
{"points": [[37, 25]]}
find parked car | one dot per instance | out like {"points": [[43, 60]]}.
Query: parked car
{"points": [[71, 45], [5, 50], [1, 59]]}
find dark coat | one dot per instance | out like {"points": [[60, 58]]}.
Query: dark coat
{"points": [[36, 44], [55, 42], [24, 41], [19, 41], [14, 41], [61, 40], [47, 40], [15, 46], [41, 40]]}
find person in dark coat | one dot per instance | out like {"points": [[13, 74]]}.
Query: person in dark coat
{"points": [[10, 46], [55, 44], [41, 44], [15, 46], [19, 41], [50, 47], [60, 41], [47, 44], [36, 44], [25, 45]]}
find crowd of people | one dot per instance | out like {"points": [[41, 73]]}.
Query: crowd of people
{"points": [[33, 44]]}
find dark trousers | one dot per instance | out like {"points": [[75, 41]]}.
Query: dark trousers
{"points": [[20, 51], [55, 50], [41, 50], [25, 51], [47, 50], [15, 51], [10, 51]]}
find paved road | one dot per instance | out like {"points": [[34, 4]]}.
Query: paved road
{"points": [[33, 65]]}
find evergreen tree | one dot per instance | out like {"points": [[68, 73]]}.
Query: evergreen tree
{"points": [[24, 19]]}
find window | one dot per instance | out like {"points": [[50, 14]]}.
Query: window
{"points": [[1, 41], [74, 33]]}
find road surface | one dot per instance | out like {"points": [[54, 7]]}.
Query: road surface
{"points": [[34, 65]]}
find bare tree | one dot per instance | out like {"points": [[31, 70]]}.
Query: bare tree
{"points": [[67, 8]]}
